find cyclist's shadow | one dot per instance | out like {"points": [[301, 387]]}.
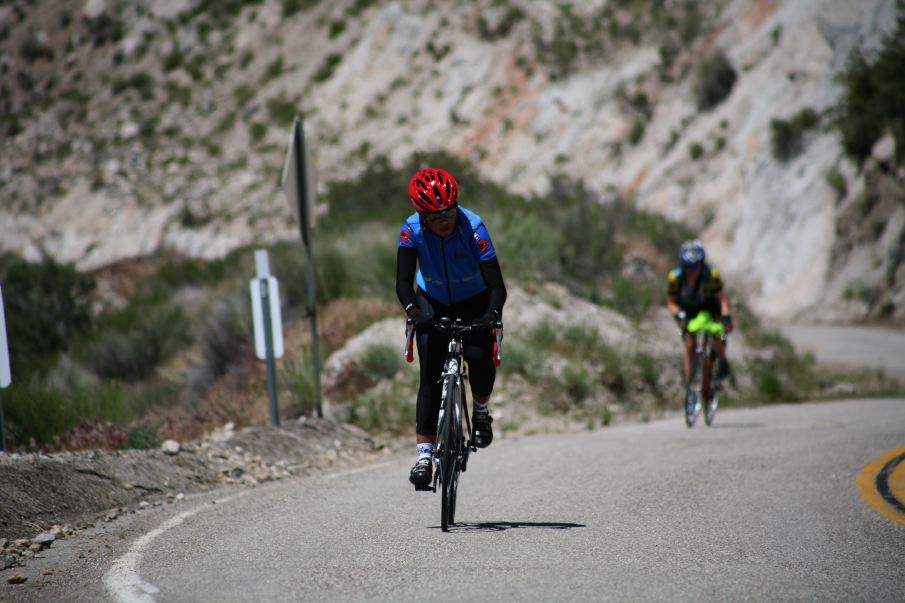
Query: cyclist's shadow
{"points": [[502, 526]]}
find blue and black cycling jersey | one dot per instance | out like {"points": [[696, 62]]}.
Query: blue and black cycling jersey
{"points": [[449, 269], [703, 295]]}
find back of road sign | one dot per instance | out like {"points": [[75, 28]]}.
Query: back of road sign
{"points": [[6, 376]]}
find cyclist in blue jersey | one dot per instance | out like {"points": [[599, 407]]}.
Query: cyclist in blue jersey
{"points": [[458, 276], [695, 292]]}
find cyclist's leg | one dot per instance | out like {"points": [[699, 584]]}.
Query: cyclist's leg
{"points": [[478, 352], [717, 342], [431, 354], [690, 347]]}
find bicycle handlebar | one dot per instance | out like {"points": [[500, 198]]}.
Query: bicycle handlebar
{"points": [[447, 326]]}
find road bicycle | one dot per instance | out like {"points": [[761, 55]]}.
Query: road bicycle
{"points": [[452, 447], [694, 387]]}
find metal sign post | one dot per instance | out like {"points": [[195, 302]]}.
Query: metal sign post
{"points": [[299, 187], [6, 376], [268, 324]]}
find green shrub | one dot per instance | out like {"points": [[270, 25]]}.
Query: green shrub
{"points": [[714, 81], [257, 131], [142, 438], [142, 83], [695, 151], [48, 307], [221, 11], [647, 369], [300, 382], [173, 60], [381, 361], [766, 383], [325, 71], [384, 409], [606, 416], [873, 96], [578, 341], [225, 339], [636, 133], [504, 25], [274, 69], [337, 27], [543, 335], [134, 352], [290, 7], [836, 181], [576, 383], [633, 297], [38, 412], [522, 359], [282, 110], [787, 137], [33, 50], [105, 29]]}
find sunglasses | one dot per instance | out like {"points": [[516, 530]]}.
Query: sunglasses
{"points": [[444, 214]]}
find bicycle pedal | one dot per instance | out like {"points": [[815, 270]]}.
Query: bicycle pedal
{"points": [[425, 489]]}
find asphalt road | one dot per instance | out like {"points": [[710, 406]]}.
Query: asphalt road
{"points": [[861, 347], [763, 506]]}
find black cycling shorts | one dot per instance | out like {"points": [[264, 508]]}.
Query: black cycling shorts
{"points": [[432, 347]]}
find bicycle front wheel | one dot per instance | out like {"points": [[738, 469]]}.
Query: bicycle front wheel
{"points": [[458, 451], [693, 392], [448, 459]]}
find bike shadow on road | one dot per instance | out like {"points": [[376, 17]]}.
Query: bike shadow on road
{"points": [[502, 526], [738, 425]]}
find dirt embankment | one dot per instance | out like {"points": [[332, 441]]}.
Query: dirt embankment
{"points": [[79, 488]]}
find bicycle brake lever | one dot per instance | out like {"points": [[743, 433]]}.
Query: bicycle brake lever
{"points": [[409, 336], [498, 344]]}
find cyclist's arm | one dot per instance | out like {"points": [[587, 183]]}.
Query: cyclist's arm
{"points": [[493, 277], [724, 303], [406, 261], [672, 305]]}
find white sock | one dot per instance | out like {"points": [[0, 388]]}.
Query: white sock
{"points": [[425, 451], [480, 408]]}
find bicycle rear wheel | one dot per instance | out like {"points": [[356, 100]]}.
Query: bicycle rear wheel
{"points": [[711, 409]]}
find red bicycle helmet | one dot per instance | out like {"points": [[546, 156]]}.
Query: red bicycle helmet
{"points": [[432, 190]]}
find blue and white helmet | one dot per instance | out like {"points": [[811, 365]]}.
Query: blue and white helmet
{"points": [[692, 253]]}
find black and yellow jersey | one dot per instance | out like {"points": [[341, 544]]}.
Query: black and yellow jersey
{"points": [[704, 293]]}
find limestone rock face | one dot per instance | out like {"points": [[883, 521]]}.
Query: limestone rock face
{"points": [[160, 133]]}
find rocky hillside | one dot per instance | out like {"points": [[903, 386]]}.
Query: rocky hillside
{"points": [[132, 127]]}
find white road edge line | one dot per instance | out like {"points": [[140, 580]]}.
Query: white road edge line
{"points": [[122, 579]]}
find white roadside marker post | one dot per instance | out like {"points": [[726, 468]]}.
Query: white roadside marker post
{"points": [[268, 324], [6, 376]]}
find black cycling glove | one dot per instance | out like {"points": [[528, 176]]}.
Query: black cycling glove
{"points": [[489, 320], [419, 317], [728, 325]]}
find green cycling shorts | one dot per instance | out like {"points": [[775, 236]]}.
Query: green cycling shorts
{"points": [[704, 323]]}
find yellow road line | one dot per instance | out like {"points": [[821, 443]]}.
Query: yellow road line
{"points": [[893, 481]]}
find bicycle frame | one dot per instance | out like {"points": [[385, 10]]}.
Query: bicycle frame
{"points": [[694, 385], [452, 446]]}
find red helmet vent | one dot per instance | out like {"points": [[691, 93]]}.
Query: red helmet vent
{"points": [[432, 190]]}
